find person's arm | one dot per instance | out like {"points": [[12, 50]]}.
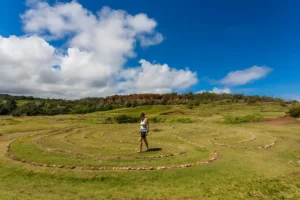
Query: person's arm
{"points": [[148, 129]]}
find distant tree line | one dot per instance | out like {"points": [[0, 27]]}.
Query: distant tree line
{"points": [[31, 106]]}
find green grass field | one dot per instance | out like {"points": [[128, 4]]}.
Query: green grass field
{"points": [[195, 155]]}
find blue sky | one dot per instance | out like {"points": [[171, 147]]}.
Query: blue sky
{"points": [[211, 38]]}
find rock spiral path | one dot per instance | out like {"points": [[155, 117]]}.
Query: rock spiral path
{"points": [[103, 161], [253, 138], [67, 132]]}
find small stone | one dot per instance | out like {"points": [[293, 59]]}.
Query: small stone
{"points": [[291, 162]]}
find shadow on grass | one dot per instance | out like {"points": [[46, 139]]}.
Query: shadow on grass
{"points": [[154, 149]]}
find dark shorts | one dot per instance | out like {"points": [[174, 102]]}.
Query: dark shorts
{"points": [[143, 134]]}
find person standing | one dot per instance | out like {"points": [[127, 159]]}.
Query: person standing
{"points": [[144, 131]]}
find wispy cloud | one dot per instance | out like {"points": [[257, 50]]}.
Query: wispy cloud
{"points": [[242, 77]]}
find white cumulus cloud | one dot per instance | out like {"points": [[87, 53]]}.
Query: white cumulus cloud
{"points": [[242, 77], [90, 58], [156, 78]]}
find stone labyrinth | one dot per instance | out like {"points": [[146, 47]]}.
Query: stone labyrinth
{"points": [[114, 147]]}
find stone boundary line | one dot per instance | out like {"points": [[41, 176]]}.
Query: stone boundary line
{"points": [[273, 142], [15, 158]]}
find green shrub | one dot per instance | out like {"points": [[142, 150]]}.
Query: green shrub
{"points": [[157, 120], [295, 112], [190, 106], [283, 104], [109, 120], [3, 109], [29, 109], [134, 104], [128, 104], [123, 119], [243, 119], [182, 120]]}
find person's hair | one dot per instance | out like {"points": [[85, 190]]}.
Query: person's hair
{"points": [[142, 114]]}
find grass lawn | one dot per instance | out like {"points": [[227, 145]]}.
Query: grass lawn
{"points": [[82, 157]]}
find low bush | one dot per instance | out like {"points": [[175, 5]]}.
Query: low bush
{"points": [[243, 119], [109, 120], [295, 112], [190, 105], [157, 120], [123, 119], [182, 120], [283, 104]]}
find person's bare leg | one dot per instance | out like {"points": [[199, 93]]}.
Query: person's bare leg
{"points": [[146, 142], [141, 144]]}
